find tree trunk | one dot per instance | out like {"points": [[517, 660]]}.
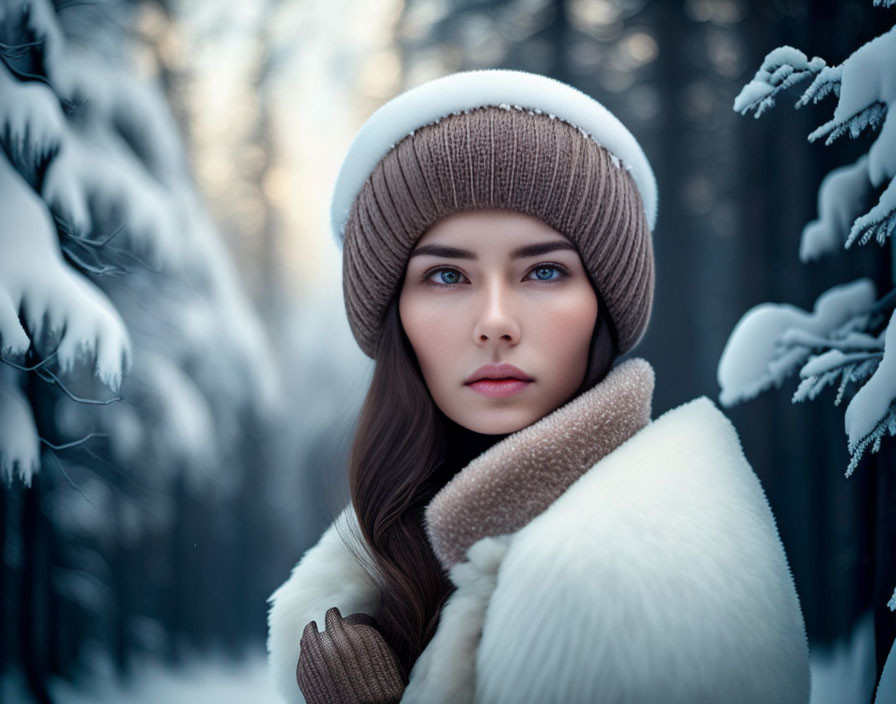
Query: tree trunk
{"points": [[33, 627]]}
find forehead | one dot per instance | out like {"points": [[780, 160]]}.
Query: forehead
{"points": [[490, 230]]}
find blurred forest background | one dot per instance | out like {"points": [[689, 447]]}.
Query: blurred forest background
{"points": [[176, 159]]}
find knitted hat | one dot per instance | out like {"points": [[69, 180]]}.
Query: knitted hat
{"points": [[495, 139]]}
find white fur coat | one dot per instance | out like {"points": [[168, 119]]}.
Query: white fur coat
{"points": [[657, 576]]}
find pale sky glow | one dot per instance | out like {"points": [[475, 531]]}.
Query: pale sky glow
{"points": [[341, 68], [271, 146]]}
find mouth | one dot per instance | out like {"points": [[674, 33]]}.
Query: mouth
{"points": [[498, 372], [499, 388]]}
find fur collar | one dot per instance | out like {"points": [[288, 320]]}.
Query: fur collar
{"points": [[516, 479], [670, 531], [330, 575]]}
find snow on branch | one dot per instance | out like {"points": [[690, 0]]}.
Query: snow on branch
{"points": [[867, 88], [877, 223], [824, 369], [234, 326], [872, 412], [35, 22], [841, 197], [865, 84], [19, 443], [872, 115], [185, 427], [31, 122], [826, 82], [54, 299], [771, 341], [847, 340], [135, 110], [782, 68], [882, 154], [95, 179]]}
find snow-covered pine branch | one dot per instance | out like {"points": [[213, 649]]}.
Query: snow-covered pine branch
{"points": [[824, 369], [870, 115], [872, 412], [116, 196], [842, 196], [867, 88], [771, 341], [31, 123], [110, 97], [96, 177], [94, 181], [865, 84], [58, 303], [782, 68], [181, 431], [35, 21], [826, 82], [877, 223], [843, 338], [19, 443]]}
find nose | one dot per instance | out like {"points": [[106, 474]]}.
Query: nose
{"points": [[496, 319]]}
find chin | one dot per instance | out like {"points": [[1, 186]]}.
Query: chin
{"points": [[497, 426]]}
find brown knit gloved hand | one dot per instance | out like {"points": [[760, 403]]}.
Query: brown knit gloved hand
{"points": [[348, 663]]}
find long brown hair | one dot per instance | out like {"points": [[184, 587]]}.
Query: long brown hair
{"points": [[404, 451]]}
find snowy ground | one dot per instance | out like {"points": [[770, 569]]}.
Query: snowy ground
{"points": [[844, 673], [212, 680], [840, 675]]}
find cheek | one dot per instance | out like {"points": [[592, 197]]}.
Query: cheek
{"points": [[569, 324], [428, 332]]}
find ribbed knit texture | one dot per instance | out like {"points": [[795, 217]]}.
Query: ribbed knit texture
{"points": [[348, 663], [506, 158]]}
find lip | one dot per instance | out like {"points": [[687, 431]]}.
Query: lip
{"points": [[498, 371], [499, 388]]}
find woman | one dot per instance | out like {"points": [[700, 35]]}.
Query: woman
{"points": [[536, 538]]}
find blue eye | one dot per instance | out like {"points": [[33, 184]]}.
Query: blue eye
{"points": [[450, 277], [541, 269], [543, 273]]}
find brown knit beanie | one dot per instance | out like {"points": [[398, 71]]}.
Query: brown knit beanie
{"points": [[503, 157]]}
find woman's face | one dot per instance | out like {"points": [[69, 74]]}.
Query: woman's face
{"points": [[472, 295]]}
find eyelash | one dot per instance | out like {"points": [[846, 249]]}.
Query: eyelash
{"points": [[564, 273]]}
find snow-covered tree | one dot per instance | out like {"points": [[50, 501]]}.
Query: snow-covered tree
{"points": [[100, 212], [848, 340], [131, 360]]}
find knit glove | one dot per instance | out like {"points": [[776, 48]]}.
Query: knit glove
{"points": [[349, 662]]}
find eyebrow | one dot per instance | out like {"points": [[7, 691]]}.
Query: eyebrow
{"points": [[529, 250]]}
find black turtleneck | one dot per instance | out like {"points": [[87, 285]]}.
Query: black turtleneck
{"points": [[462, 446]]}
